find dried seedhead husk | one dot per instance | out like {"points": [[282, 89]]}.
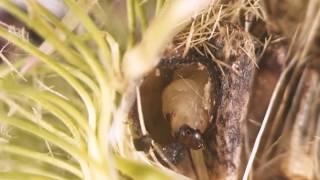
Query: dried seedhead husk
{"points": [[218, 45], [157, 126], [226, 95], [230, 35]]}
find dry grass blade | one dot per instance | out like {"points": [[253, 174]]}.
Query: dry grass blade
{"points": [[287, 84]]}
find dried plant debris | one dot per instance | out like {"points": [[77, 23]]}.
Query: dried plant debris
{"points": [[219, 33], [295, 153], [300, 129], [190, 106], [266, 77], [194, 104], [205, 102]]}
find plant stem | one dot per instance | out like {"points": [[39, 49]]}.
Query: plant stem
{"points": [[159, 5], [22, 151], [131, 23], [141, 14]]}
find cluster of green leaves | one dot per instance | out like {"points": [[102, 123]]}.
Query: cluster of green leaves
{"points": [[63, 129], [56, 116]]}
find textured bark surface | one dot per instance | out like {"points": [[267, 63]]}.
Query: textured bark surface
{"points": [[231, 112]]}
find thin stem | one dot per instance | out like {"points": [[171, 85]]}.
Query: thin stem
{"points": [[18, 175], [132, 168], [4, 70], [145, 56], [131, 23], [274, 103], [85, 79], [105, 96], [159, 5], [82, 48], [59, 69], [141, 14], [22, 151], [66, 107], [96, 34], [42, 123], [55, 110], [45, 30], [34, 129]]}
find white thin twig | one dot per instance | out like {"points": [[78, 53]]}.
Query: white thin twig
{"points": [[140, 112], [144, 131], [7, 61]]}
